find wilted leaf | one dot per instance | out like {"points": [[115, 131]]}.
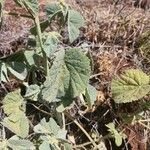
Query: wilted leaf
{"points": [[18, 69], [132, 85], [75, 21]]}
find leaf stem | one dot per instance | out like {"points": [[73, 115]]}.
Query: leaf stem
{"points": [[39, 33], [81, 128]]}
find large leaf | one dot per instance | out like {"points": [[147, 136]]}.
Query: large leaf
{"points": [[69, 75], [51, 84], [75, 21], [132, 85], [18, 124], [18, 69], [14, 107], [13, 103]]}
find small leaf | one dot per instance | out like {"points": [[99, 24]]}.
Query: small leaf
{"points": [[50, 44], [75, 21], [18, 69], [45, 146], [131, 86], [50, 127], [118, 137], [18, 124], [52, 10], [90, 95], [32, 92]]}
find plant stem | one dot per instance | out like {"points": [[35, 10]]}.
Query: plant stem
{"points": [[18, 15], [39, 33], [83, 130]]}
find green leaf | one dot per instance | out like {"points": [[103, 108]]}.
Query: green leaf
{"points": [[13, 103], [69, 75], [18, 69], [118, 136], [78, 67], [67, 146], [75, 21], [51, 84], [45, 146], [132, 85], [32, 92], [50, 127], [18, 124], [90, 95], [50, 44], [52, 10], [19, 144]]}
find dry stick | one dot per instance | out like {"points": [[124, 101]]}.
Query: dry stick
{"points": [[83, 130], [144, 125]]}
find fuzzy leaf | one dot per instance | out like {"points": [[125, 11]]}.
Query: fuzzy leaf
{"points": [[69, 74], [13, 103], [75, 21], [50, 127], [52, 10], [18, 124], [32, 92], [90, 95], [51, 42], [131, 86], [19, 144]]}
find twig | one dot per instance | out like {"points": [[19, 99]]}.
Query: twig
{"points": [[45, 112]]}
